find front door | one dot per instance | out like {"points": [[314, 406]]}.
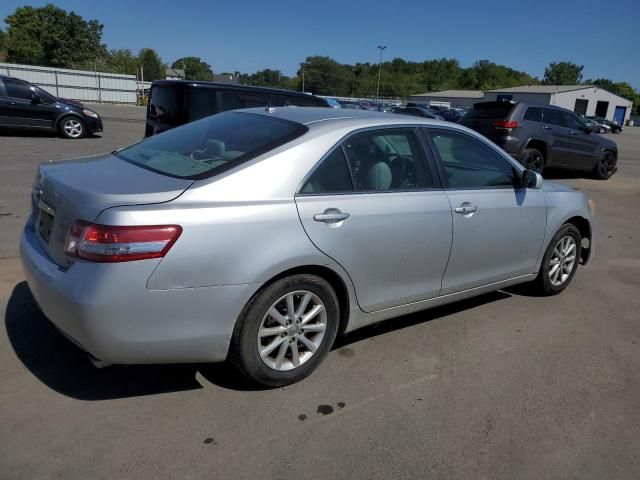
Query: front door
{"points": [[619, 114], [498, 227], [584, 144], [373, 207]]}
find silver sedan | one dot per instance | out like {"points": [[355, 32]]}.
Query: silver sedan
{"points": [[260, 235]]}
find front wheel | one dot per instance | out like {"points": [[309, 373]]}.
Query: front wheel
{"points": [[560, 261], [73, 128], [286, 330]]}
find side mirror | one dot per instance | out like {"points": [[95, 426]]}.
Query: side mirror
{"points": [[531, 179], [35, 99]]}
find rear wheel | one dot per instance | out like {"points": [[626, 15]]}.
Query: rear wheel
{"points": [[532, 159], [72, 127], [560, 261], [605, 166], [286, 330]]}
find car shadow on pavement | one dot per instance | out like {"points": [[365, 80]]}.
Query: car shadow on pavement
{"points": [[63, 367]]}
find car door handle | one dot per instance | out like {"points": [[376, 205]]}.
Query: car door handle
{"points": [[574, 133], [466, 208], [10, 102], [546, 127], [331, 215]]}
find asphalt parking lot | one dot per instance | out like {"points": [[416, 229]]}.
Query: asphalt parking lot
{"points": [[502, 386]]}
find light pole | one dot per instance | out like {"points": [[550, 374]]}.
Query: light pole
{"points": [[381, 48]]}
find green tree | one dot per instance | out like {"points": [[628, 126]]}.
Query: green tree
{"points": [[3, 45], [152, 65], [123, 61], [562, 73], [50, 36], [194, 67]]}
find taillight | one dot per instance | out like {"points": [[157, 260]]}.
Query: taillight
{"points": [[503, 124], [107, 243]]}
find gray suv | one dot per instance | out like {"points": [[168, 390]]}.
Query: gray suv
{"points": [[544, 136]]}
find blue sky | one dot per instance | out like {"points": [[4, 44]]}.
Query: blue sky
{"points": [[250, 35]]}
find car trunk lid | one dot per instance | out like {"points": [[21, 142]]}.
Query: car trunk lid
{"points": [[82, 188]]}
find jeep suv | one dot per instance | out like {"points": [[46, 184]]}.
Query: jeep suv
{"points": [[542, 136]]}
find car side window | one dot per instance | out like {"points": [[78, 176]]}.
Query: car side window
{"points": [[301, 102], [18, 90], [468, 163], [533, 114], [553, 117], [250, 101], [387, 160], [572, 121], [332, 176]]}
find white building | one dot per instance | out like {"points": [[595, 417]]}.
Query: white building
{"points": [[586, 100], [449, 98]]}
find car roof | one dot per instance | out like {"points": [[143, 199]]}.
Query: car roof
{"points": [[322, 119], [231, 86]]}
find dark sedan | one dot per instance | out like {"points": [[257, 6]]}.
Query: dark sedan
{"points": [[418, 112], [26, 106]]}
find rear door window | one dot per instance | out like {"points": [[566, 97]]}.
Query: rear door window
{"points": [[332, 176], [533, 114], [233, 100], [553, 117], [199, 103], [296, 101]]}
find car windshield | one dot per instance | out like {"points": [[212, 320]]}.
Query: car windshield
{"points": [[209, 146]]}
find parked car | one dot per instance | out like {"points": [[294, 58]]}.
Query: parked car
{"points": [[259, 235], [28, 107], [332, 102], [544, 136], [418, 112], [596, 126], [175, 102], [615, 128], [452, 114]]}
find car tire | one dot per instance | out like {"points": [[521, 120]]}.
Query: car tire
{"points": [[565, 251], [272, 349], [605, 166], [532, 159], [72, 127]]}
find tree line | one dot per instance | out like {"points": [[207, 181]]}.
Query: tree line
{"points": [[51, 36]]}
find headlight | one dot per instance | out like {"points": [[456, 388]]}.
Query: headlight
{"points": [[89, 113], [592, 206]]}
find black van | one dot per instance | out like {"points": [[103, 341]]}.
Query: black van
{"points": [[175, 102]]}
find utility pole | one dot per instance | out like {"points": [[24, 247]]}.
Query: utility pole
{"points": [[381, 48], [302, 78]]}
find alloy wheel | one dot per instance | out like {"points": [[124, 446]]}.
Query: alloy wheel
{"points": [[606, 165], [292, 330], [562, 261], [533, 162], [73, 128]]}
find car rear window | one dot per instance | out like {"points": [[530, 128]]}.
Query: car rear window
{"points": [[165, 104], [489, 110], [212, 145]]}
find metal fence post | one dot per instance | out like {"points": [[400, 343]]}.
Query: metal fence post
{"points": [[55, 72]]}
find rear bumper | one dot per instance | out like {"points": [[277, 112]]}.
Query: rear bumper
{"points": [[107, 310]]}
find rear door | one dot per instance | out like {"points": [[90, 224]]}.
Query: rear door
{"points": [[558, 137], [498, 226], [374, 207], [584, 144]]}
